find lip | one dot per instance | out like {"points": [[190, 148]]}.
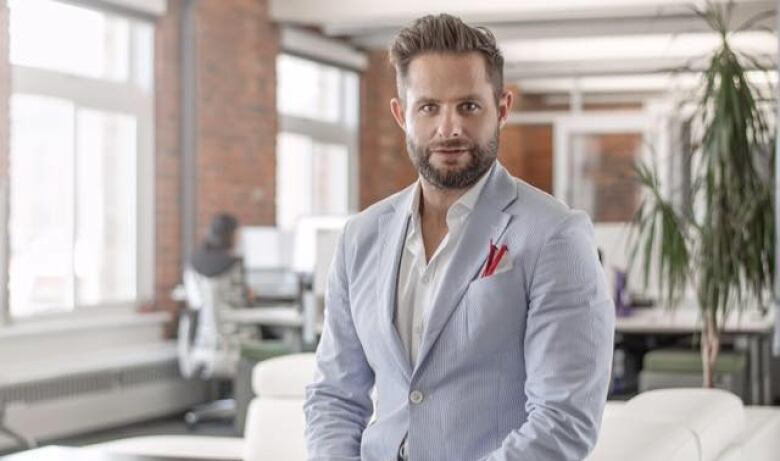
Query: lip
{"points": [[450, 151]]}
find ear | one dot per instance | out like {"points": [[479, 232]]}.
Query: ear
{"points": [[505, 107], [397, 109]]}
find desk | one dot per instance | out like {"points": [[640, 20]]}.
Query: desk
{"points": [[288, 317], [750, 326], [57, 453]]}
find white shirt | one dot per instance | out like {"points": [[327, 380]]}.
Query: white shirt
{"points": [[418, 281]]}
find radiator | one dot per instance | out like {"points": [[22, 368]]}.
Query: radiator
{"points": [[98, 399]]}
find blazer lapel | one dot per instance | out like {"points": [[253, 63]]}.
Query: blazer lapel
{"points": [[392, 236], [487, 221]]}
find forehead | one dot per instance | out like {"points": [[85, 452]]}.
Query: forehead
{"points": [[447, 76]]}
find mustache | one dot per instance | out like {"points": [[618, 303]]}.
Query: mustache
{"points": [[451, 144]]}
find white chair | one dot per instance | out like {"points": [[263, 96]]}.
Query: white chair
{"points": [[275, 421], [208, 345]]}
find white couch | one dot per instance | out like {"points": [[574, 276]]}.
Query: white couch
{"points": [[688, 425], [661, 425], [274, 427]]}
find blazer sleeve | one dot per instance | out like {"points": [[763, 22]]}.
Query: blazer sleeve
{"points": [[338, 404], [568, 350]]}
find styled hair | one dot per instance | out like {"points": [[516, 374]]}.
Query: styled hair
{"points": [[445, 33]]}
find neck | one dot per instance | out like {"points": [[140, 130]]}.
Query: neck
{"points": [[435, 201]]}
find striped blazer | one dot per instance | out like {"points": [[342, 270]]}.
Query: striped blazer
{"points": [[513, 366]]}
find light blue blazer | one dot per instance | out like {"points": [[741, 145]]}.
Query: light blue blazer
{"points": [[511, 367]]}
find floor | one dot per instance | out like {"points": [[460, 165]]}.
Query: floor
{"points": [[166, 426]]}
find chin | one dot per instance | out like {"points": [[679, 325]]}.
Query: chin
{"points": [[450, 163]]}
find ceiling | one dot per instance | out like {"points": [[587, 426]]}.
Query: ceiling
{"points": [[606, 46]]}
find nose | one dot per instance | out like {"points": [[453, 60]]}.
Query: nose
{"points": [[450, 124]]}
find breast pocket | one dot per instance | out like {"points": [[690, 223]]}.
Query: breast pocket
{"points": [[496, 308]]}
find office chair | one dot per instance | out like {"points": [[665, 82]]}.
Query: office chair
{"points": [[208, 347]]}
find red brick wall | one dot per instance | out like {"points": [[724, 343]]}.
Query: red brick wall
{"points": [[167, 156], [527, 152], [385, 167], [617, 192], [236, 47], [236, 103]]}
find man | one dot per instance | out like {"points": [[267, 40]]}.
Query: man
{"points": [[471, 303]]}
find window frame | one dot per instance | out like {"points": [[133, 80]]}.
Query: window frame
{"points": [[124, 97], [329, 132]]}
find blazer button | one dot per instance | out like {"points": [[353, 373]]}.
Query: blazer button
{"points": [[416, 397]]}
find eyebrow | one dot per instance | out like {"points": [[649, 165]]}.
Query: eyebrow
{"points": [[425, 100], [469, 97]]}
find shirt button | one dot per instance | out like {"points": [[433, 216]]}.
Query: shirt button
{"points": [[416, 397]]}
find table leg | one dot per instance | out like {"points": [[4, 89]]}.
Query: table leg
{"points": [[754, 359], [766, 369]]}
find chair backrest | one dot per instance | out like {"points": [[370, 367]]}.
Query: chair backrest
{"points": [[275, 420], [715, 417], [210, 351], [672, 424]]}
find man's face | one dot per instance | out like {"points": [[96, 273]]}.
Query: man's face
{"points": [[450, 118]]}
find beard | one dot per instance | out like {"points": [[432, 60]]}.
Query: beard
{"points": [[481, 158]]}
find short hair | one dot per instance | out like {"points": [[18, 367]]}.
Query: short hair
{"points": [[221, 231], [445, 33]]}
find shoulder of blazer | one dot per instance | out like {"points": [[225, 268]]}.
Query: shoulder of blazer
{"points": [[535, 204]]}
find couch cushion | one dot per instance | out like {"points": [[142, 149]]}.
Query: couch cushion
{"points": [[275, 430], [283, 377], [715, 417], [613, 408], [625, 438], [761, 439]]}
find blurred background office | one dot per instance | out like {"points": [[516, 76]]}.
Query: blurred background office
{"points": [[127, 126]]}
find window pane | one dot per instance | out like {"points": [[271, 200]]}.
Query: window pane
{"points": [[312, 178], [41, 218], [105, 245], [143, 55], [351, 99], [308, 89], [329, 164], [601, 175], [77, 40]]}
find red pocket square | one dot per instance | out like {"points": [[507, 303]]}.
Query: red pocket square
{"points": [[494, 258]]}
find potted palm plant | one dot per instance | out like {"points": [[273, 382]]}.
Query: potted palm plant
{"points": [[718, 240]]}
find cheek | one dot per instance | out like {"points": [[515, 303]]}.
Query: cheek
{"points": [[484, 129], [420, 129]]}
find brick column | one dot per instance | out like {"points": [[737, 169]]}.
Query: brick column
{"points": [[168, 266], [236, 103]]}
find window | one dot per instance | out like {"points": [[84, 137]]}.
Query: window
{"points": [[317, 143], [80, 219], [601, 178], [595, 155]]}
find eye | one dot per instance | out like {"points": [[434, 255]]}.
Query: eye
{"points": [[469, 106], [427, 108]]}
